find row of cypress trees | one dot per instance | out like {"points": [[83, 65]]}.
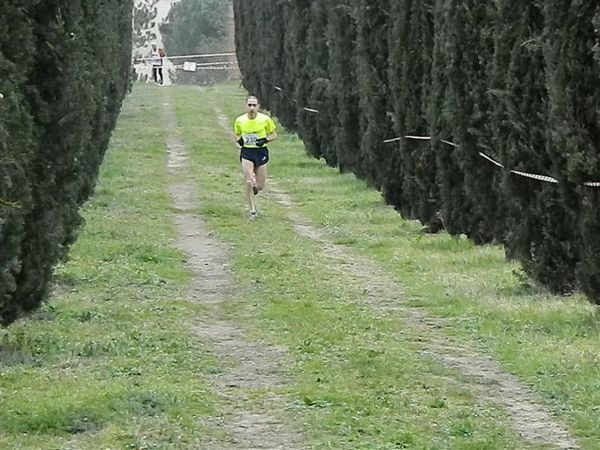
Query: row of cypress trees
{"points": [[517, 81], [64, 71]]}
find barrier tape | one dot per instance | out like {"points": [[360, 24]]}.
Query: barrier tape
{"points": [[204, 55], [417, 138], [387, 141], [311, 110], [483, 155], [449, 143], [11, 204], [181, 66], [533, 176]]}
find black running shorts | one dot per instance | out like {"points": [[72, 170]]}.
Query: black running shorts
{"points": [[259, 156]]}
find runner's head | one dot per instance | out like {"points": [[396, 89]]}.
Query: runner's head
{"points": [[252, 106]]}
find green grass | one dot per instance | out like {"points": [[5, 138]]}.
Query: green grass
{"points": [[112, 361], [550, 342]]}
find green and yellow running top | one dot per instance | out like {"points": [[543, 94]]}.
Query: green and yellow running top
{"points": [[253, 129]]}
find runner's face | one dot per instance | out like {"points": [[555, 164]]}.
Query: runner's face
{"points": [[252, 106]]}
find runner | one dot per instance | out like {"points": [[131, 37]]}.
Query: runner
{"points": [[253, 130], [156, 59]]}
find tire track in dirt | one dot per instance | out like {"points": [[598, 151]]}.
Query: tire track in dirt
{"points": [[250, 423], [483, 375]]}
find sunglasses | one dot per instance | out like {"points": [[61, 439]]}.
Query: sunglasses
{"points": [[252, 104]]}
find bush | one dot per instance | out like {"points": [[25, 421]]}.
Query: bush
{"points": [[65, 72]]}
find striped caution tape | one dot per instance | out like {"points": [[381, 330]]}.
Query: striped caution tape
{"points": [[310, 110], [10, 204], [387, 141], [483, 155], [417, 138], [449, 143], [533, 176], [202, 55]]}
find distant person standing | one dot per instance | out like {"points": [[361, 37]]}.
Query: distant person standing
{"points": [[253, 131], [156, 59]]}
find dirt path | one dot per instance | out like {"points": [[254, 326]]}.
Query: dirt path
{"points": [[482, 375], [249, 423]]}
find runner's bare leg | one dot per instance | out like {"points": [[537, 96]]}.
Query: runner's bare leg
{"points": [[248, 173], [261, 176]]}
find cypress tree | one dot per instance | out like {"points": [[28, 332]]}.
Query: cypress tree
{"points": [[515, 80], [448, 175], [449, 75], [519, 120], [273, 58], [263, 87], [474, 199], [246, 42], [372, 72], [297, 72], [588, 269], [573, 146], [16, 59], [267, 64], [68, 80], [319, 141], [341, 37], [284, 77], [410, 184]]}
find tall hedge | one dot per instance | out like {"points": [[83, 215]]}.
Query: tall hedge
{"points": [[318, 136], [341, 38], [571, 238], [519, 120], [410, 183], [16, 145], [371, 70], [514, 81], [65, 70]]}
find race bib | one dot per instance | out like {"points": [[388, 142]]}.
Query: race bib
{"points": [[250, 139]]}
